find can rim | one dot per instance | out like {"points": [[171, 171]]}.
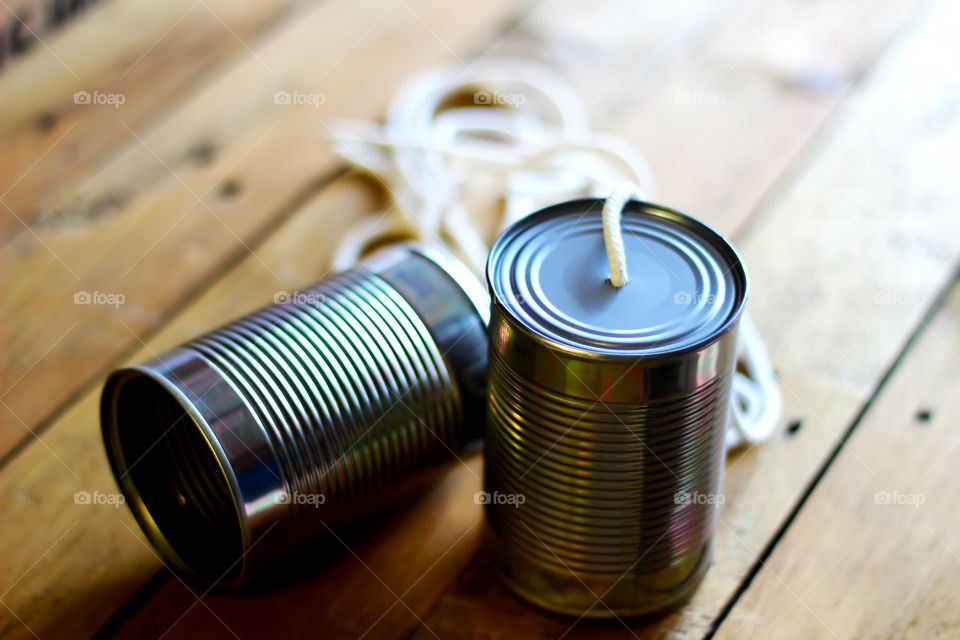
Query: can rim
{"points": [[471, 285], [138, 506], [592, 352]]}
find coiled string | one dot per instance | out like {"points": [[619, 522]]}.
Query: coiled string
{"points": [[523, 144]]}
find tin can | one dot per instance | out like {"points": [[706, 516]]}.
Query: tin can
{"points": [[257, 437], [607, 407]]}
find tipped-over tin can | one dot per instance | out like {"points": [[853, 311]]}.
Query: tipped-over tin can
{"points": [[607, 407], [250, 440]]}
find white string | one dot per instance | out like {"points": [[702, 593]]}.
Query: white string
{"points": [[613, 235], [756, 394], [522, 144]]}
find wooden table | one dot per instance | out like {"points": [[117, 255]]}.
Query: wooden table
{"points": [[822, 138]]}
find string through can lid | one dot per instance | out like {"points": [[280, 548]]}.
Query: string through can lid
{"points": [[613, 234], [522, 145]]}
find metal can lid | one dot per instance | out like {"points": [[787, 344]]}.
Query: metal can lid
{"points": [[687, 285]]}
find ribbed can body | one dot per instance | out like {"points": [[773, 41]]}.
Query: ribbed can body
{"points": [[617, 470], [607, 407], [252, 439], [346, 357]]}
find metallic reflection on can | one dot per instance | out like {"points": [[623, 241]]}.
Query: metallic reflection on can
{"points": [[607, 407], [257, 437]]}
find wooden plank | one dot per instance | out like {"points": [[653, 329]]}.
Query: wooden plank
{"points": [[744, 107], [840, 278], [616, 53], [148, 54], [886, 566], [733, 119], [180, 221], [42, 489]]}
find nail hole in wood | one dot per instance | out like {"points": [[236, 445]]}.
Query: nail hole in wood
{"points": [[229, 189], [45, 122], [202, 153], [794, 427]]}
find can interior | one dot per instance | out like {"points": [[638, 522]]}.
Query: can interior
{"points": [[172, 479]]}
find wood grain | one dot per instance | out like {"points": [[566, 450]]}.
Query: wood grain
{"points": [[150, 54], [617, 53], [181, 221], [734, 118]]}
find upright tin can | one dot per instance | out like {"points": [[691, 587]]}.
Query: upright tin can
{"points": [[607, 407]]}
